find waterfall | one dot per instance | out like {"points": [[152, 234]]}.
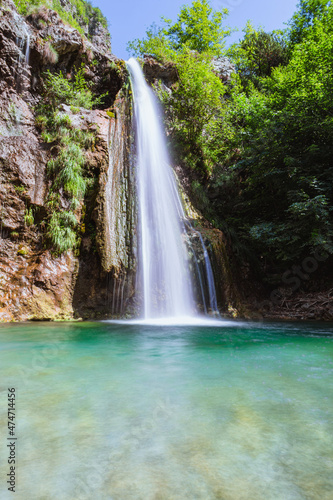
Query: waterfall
{"points": [[163, 257], [166, 279], [22, 42], [21, 70], [27, 48], [210, 278]]}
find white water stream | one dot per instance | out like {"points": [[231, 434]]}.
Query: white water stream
{"points": [[165, 268], [23, 40], [167, 290]]}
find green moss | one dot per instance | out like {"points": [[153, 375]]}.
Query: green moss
{"points": [[22, 251], [20, 189], [75, 110]]}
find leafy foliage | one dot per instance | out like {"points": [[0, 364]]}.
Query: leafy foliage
{"points": [[193, 106], [156, 43], [74, 92], [262, 145], [258, 53], [281, 187], [66, 167], [29, 217], [61, 231], [198, 28], [303, 19], [81, 15]]}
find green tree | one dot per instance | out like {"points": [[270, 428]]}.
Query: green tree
{"points": [[196, 102], [199, 27], [75, 91], [156, 43], [192, 108], [281, 182], [258, 53], [303, 19]]}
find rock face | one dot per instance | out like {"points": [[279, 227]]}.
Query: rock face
{"points": [[223, 68], [114, 263], [34, 283], [116, 197], [155, 71], [228, 296], [94, 30]]}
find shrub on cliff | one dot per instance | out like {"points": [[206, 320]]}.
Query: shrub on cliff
{"points": [[192, 109], [61, 231], [66, 167], [258, 53], [75, 91], [81, 15]]}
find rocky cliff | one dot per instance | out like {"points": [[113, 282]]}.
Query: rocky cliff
{"points": [[96, 277], [36, 283]]}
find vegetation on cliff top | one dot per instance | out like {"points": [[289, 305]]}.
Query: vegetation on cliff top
{"points": [[261, 146], [79, 15]]}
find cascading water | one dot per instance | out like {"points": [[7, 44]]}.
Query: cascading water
{"points": [[210, 278], [22, 41], [27, 48], [21, 70], [165, 270]]}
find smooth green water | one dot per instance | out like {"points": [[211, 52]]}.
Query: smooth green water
{"points": [[119, 412]]}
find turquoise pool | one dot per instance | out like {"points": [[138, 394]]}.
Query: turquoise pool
{"points": [[238, 411]]}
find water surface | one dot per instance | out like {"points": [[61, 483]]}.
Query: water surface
{"points": [[146, 412]]}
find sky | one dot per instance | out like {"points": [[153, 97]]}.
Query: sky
{"points": [[129, 19]]}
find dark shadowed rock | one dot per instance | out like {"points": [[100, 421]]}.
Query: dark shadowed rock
{"points": [[155, 71]]}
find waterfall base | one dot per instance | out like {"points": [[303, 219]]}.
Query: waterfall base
{"points": [[179, 321]]}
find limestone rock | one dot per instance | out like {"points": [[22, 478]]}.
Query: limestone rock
{"points": [[93, 30], [223, 68], [34, 286]]}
